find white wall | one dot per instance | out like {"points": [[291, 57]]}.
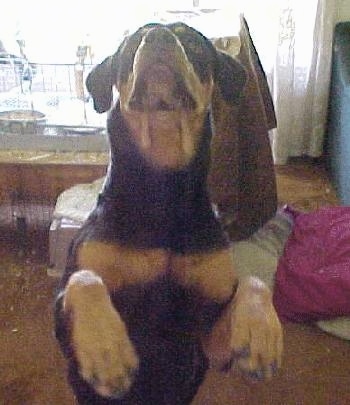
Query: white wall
{"points": [[343, 10]]}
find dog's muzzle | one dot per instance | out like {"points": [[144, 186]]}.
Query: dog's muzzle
{"points": [[159, 74], [164, 101]]}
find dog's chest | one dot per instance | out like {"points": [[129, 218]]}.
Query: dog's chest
{"points": [[208, 274], [164, 308], [157, 291]]}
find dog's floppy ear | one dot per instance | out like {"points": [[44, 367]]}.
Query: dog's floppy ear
{"points": [[230, 77], [99, 83]]}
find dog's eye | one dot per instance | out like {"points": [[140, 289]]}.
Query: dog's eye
{"points": [[189, 40], [194, 46]]}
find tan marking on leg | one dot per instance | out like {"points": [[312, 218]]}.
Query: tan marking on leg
{"points": [[119, 266], [211, 274], [105, 355]]}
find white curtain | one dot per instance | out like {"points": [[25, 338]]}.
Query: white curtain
{"points": [[298, 68]]}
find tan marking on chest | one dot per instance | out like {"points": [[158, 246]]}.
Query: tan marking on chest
{"points": [[120, 266], [211, 274]]}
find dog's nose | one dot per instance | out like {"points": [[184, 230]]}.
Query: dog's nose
{"points": [[160, 37]]}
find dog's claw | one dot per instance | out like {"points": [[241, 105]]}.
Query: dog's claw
{"points": [[114, 389], [238, 354], [241, 353], [227, 366], [274, 368], [257, 375]]}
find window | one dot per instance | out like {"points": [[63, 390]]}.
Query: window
{"points": [[48, 48]]}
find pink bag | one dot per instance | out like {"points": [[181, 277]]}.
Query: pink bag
{"points": [[313, 275]]}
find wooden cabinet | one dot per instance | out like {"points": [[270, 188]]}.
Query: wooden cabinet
{"points": [[42, 183], [29, 189]]}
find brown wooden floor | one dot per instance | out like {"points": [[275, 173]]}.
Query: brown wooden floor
{"points": [[316, 367]]}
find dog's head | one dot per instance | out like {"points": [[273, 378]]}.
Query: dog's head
{"points": [[166, 76]]}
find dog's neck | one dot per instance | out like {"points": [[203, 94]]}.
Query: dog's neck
{"points": [[159, 208]]}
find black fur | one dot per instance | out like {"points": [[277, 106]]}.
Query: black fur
{"points": [[144, 207], [229, 75]]}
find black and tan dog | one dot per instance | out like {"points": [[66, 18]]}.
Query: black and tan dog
{"points": [[150, 298]]}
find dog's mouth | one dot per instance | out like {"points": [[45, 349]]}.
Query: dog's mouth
{"points": [[164, 104], [158, 87]]}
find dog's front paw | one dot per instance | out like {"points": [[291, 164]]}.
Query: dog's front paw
{"points": [[106, 357], [248, 334], [256, 335]]}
